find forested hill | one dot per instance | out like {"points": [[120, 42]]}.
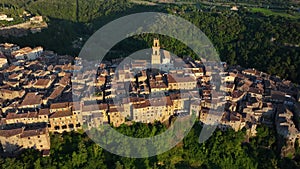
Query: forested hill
{"points": [[72, 10], [266, 40]]}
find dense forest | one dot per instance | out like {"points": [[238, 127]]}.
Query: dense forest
{"points": [[223, 150], [268, 43]]}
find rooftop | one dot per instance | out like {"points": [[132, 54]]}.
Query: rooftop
{"points": [[32, 99]]}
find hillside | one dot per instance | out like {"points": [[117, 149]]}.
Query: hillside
{"points": [[268, 42]]}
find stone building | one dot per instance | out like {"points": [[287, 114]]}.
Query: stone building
{"points": [[7, 94], [150, 110], [64, 121], [32, 100], [94, 115], [13, 140], [116, 115], [3, 60], [8, 48], [181, 82]]}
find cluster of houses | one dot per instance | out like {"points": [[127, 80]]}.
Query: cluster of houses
{"points": [[42, 92], [25, 15]]}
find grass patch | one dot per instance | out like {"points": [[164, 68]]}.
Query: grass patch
{"points": [[269, 12]]}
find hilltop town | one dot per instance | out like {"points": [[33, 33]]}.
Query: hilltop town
{"points": [[39, 95]]}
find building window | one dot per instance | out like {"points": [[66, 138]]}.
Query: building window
{"points": [[71, 126]]}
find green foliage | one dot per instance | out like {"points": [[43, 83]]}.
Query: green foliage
{"points": [[269, 12], [223, 150], [140, 130], [55, 9], [268, 43]]}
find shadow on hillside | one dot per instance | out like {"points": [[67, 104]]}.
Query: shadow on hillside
{"points": [[66, 36]]}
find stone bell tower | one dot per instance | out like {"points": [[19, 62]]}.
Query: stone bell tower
{"points": [[155, 58]]}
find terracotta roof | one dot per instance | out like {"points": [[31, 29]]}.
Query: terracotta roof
{"points": [[255, 90], [116, 109], [35, 132], [179, 96], [177, 79], [44, 112], [61, 114], [14, 76], [237, 94], [32, 99], [76, 106], [93, 107], [136, 99], [65, 80], [11, 132], [21, 115], [32, 114], [154, 84], [142, 105], [56, 92], [12, 67], [162, 101], [42, 82], [21, 51], [9, 91], [61, 105]]}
